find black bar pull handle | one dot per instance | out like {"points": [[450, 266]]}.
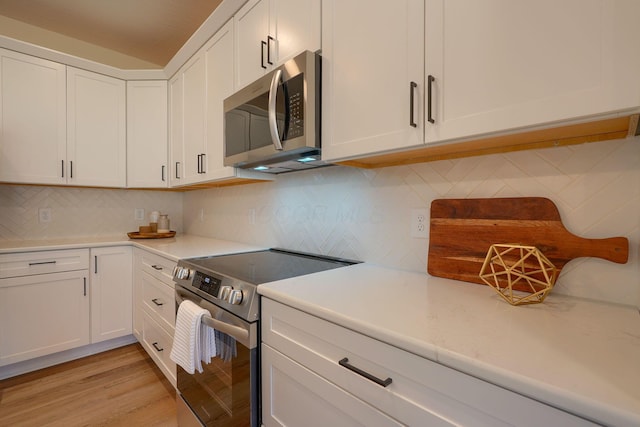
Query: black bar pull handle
{"points": [[85, 286], [384, 383], [155, 301], [412, 89], [177, 170], [41, 263], [155, 345], [62, 168], [430, 81], [95, 260], [262, 46], [202, 159], [71, 165], [269, 40], [155, 267], [162, 174]]}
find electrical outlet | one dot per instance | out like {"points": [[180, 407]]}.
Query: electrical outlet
{"points": [[138, 214], [44, 215], [419, 229]]}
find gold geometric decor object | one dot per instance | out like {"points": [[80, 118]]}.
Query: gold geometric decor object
{"points": [[520, 274]]}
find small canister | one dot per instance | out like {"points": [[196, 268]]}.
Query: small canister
{"points": [[163, 223], [153, 221]]}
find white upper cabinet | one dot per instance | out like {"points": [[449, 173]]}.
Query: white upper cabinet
{"points": [[147, 142], [33, 122], [500, 65], [196, 116], [218, 54], [193, 118], [268, 32], [187, 116], [372, 68], [176, 141], [96, 129]]}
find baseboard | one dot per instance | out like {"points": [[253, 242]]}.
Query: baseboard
{"points": [[20, 368]]}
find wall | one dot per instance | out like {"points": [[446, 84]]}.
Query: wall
{"points": [[364, 214], [80, 212]]}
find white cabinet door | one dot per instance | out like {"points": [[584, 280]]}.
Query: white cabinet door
{"points": [[219, 64], [43, 314], [372, 52], [193, 118], [295, 26], [252, 28], [147, 143], [111, 292], [269, 32], [500, 65], [292, 395], [33, 125], [176, 139], [96, 129]]}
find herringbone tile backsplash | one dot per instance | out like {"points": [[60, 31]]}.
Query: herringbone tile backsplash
{"points": [[365, 214], [80, 212]]}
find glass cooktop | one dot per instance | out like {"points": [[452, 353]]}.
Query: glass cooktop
{"points": [[267, 265]]}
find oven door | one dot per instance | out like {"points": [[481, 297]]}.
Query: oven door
{"points": [[226, 392]]}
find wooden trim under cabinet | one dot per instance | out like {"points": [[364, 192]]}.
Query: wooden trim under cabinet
{"points": [[601, 130]]}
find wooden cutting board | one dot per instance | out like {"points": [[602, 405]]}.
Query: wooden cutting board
{"points": [[462, 230]]}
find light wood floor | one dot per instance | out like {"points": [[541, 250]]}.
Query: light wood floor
{"points": [[121, 387]]}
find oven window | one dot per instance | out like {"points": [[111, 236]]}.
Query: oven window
{"points": [[223, 394]]}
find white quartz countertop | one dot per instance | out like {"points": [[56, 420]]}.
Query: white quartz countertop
{"points": [[577, 355], [180, 246]]}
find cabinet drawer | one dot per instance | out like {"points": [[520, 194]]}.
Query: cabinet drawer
{"points": [[318, 402], [158, 344], [42, 262], [157, 266], [420, 389], [158, 299]]}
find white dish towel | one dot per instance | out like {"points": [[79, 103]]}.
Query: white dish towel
{"points": [[193, 342]]}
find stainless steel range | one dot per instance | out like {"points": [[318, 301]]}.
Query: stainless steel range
{"points": [[227, 391]]}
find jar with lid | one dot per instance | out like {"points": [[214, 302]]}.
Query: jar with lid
{"points": [[163, 223]]}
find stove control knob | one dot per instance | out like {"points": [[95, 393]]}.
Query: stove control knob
{"points": [[224, 292], [183, 273], [235, 297]]}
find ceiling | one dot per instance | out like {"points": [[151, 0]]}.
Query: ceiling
{"points": [[150, 31]]}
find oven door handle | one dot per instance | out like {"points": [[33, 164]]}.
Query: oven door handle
{"points": [[240, 334]]}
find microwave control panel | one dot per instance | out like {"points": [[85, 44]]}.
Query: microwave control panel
{"points": [[295, 104]]}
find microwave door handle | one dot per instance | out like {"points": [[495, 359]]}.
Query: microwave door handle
{"points": [[273, 125]]}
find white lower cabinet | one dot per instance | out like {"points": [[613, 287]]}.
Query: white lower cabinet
{"points": [[43, 310], [318, 402], [304, 384], [111, 293], [154, 308], [158, 344]]}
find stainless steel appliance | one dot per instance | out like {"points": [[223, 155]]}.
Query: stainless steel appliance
{"points": [[226, 393], [273, 124]]}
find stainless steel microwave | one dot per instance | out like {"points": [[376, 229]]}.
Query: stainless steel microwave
{"points": [[273, 124]]}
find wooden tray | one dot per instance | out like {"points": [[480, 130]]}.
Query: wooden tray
{"points": [[462, 230], [138, 235]]}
